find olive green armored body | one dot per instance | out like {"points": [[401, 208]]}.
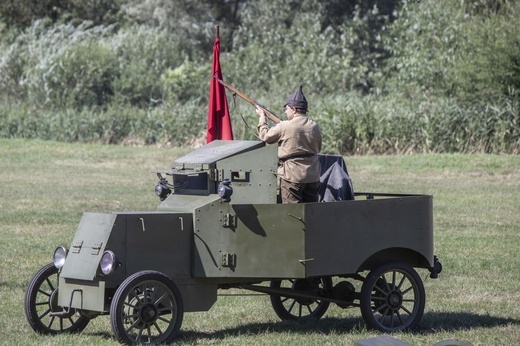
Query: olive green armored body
{"points": [[219, 226]]}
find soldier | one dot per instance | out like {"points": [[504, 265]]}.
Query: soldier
{"points": [[299, 142]]}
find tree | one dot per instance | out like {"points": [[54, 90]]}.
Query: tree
{"points": [[20, 14]]}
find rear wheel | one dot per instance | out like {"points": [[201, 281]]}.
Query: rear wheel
{"points": [[392, 298], [41, 300], [301, 308], [146, 309]]}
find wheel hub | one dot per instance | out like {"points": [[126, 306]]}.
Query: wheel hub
{"points": [[394, 300], [148, 313]]}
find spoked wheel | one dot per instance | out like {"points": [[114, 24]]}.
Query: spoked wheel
{"points": [[392, 298], [146, 309], [41, 299], [299, 308]]}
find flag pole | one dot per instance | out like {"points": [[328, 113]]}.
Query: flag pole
{"points": [[218, 36]]}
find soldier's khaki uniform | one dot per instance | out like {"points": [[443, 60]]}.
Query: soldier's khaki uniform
{"points": [[299, 140]]}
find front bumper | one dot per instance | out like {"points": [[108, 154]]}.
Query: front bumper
{"points": [[82, 294]]}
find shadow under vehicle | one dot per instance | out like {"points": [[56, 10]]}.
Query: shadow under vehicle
{"points": [[219, 225]]}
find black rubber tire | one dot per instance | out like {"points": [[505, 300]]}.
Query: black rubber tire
{"points": [[392, 298], [300, 308], [41, 299], [147, 308]]}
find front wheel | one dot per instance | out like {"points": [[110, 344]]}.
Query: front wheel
{"points": [[146, 309], [301, 308], [392, 298], [41, 300]]}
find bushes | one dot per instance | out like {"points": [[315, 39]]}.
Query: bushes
{"points": [[146, 57], [489, 66], [451, 49], [64, 67], [409, 77], [82, 67], [176, 124], [350, 124], [82, 77], [398, 125]]}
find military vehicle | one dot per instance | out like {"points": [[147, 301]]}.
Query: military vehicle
{"points": [[219, 225]]}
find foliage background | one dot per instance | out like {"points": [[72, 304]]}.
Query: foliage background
{"points": [[382, 76]]}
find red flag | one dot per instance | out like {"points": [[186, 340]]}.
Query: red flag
{"points": [[219, 120]]}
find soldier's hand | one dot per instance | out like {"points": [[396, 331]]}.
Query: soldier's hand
{"points": [[262, 119], [259, 111]]}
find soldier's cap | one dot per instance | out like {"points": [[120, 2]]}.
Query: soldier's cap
{"points": [[297, 99]]}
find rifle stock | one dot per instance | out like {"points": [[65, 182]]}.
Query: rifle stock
{"points": [[268, 113]]}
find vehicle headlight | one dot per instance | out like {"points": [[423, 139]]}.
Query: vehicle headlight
{"points": [[162, 191], [59, 256], [225, 191], [108, 263]]}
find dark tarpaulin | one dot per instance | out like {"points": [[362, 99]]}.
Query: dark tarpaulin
{"points": [[335, 183]]}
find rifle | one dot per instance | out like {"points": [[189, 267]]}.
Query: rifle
{"points": [[268, 113]]}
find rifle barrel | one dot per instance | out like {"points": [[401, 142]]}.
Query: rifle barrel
{"points": [[268, 113]]}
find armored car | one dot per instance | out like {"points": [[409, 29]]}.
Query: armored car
{"points": [[219, 225]]}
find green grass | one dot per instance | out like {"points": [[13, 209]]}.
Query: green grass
{"points": [[46, 186]]}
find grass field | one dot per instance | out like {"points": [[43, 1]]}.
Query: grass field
{"points": [[46, 186]]}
